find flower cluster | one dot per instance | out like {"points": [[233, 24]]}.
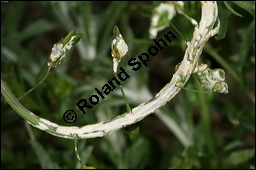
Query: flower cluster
{"points": [[211, 79]]}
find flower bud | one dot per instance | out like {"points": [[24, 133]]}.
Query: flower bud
{"points": [[118, 48], [61, 48]]}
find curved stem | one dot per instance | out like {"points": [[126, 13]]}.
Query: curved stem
{"points": [[201, 35]]}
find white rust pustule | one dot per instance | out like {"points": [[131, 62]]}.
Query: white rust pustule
{"points": [[203, 31]]}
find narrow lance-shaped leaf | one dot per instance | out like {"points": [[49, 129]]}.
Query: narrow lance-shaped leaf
{"points": [[231, 9], [249, 6], [224, 14]]}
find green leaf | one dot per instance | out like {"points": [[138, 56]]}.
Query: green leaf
{"points": [[69, 36], [156, 3], [109, 18], [163, 20], [134, 134], [173, 126], [44, 156], [231, 9], [137, 155], [216, 56], [178, 163], [245, 45], [184, 165], [239, 157], [88, 167], [35, 28], [224, 14], [85, 154], [192, 152], [249, 6]]}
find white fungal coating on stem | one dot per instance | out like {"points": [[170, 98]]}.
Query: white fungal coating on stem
{"points": [[200, 68], [202, 33], [43, 126], [47, 122]]}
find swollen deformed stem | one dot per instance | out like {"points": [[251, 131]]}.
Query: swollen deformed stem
{"points": [[201, 35]]}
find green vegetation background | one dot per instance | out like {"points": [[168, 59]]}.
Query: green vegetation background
{"points": [[193, 130]]}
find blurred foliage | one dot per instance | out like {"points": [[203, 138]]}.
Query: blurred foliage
{"points": [[194, 130]]}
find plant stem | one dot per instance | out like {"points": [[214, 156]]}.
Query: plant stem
{"points": [[125, 99], [39, 83], [207, 126], [168, 92], [77, 153]]}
